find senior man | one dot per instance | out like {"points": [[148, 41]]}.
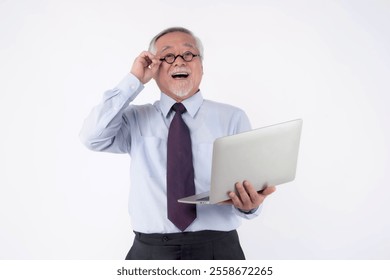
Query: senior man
{"points": [[170, 145]]}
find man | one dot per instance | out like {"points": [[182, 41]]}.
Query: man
{"points": [[147, 134]]}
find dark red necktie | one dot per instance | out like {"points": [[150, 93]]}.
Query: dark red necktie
{"points": [[180, 171]]}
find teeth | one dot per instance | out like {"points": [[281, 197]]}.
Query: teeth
{"points": [[180, 74]]}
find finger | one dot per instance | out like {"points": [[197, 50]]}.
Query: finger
{"points": [[243, 194], [148, 61], [251, 191], [235, 200], [153, 62], [147, 54], [268, 190], [155, 65], [146, 58], [226, 202]]}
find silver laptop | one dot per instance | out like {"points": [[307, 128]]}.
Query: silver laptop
{"points": [[263, 156]]}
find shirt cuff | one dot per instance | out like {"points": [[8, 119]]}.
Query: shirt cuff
{"points": [[248, 212], [249, 215], [131, 86]]}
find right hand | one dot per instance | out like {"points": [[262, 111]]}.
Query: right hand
{"points": [[145, 66]]}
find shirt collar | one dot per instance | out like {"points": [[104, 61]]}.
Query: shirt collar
{"points": [[192, 103]]}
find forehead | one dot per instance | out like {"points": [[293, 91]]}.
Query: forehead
{"points": [[175, 40]]}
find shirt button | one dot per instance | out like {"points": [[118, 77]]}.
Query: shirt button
{"points": [[165, 238]]}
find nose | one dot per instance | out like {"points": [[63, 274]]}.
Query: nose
{"points": [[179, 61]]}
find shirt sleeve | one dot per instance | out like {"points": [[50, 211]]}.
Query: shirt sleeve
{"points": [[241, 122], [105, 128]]}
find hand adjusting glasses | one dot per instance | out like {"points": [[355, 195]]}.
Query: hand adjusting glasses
{"points": [[187, 57]]}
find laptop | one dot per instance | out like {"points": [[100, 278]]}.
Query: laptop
{"points": [[263, 156]]}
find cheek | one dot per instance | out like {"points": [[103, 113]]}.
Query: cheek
{"points": [[198, 76], [199, 71], [162, 76]]}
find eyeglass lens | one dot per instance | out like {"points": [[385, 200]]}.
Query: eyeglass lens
{"points": [[187, 56]]}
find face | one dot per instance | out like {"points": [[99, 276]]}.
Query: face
{"points": [[181, 79]]}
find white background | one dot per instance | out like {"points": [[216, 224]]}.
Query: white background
{"points": [[327, 62]]}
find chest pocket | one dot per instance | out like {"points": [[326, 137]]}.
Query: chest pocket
{"points": [[153, 154]]}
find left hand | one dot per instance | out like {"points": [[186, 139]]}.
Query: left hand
{"points": [[248, 198]]}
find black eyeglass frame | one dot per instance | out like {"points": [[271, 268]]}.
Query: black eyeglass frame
{"points": [[181, 55]]}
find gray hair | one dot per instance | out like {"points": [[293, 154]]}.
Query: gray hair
{"points": [[199, 45]]}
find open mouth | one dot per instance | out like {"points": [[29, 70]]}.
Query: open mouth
{"points": [[180, 75]]}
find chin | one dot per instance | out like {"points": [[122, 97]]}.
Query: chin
{"points": [[182, 93]]}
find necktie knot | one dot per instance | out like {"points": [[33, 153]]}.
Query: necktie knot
{"points": [[179, 108]]}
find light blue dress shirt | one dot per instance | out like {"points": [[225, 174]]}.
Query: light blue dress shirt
{"points": [[142, 131]]}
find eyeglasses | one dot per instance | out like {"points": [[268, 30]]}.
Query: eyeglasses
{"points": [[187, 57]]}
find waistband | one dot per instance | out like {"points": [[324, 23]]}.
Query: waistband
{"points": [[183, 238]]}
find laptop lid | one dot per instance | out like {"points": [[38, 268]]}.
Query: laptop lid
{"points": [[264, 156]]}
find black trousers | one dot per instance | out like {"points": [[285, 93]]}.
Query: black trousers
{"points": [[201, 245]]}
